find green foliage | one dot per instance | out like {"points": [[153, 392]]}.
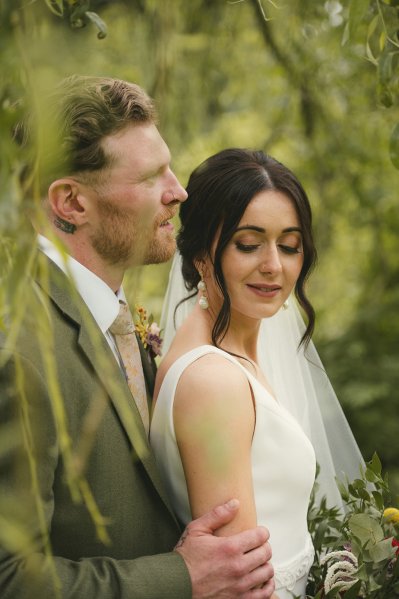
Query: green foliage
{"points": [[354, 550], [78, 14], [379, 25]]}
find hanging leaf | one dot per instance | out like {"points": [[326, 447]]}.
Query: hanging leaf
{"points": [[385, 67], [99, 23], [78, 17], [357, 10], [372, 27], [262, 10], [394, 147], [56, 7], [79, 5], [382, 40], [345, 36], [370, 32]]}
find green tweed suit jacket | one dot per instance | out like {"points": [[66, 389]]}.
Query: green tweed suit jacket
{"points": [[106, 442]]}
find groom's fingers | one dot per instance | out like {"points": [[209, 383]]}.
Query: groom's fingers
{"points": [[249, 540], [253, 542], [231, 567], [221, 515], [265, 592], [258, 583], [216, 518], [258, 557]]}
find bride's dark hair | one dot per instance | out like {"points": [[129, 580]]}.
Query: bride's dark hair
{"points": [[219, 191]]}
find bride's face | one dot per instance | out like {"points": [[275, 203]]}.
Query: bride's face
{"points": [[263, 259]]}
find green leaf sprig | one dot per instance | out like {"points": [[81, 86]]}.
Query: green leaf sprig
{"points": [[356, 551]]}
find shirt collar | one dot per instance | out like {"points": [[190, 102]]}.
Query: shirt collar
{"points": [[102, 302]]}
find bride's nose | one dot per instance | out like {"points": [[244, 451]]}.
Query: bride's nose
{"points": [[271, 262]]}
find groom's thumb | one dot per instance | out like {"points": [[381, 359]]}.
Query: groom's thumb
{"points": [[216, 518]]}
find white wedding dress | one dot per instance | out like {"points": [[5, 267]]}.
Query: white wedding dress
{"points": [[283, 472]]}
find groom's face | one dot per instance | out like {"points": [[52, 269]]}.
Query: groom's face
{"points": [[138, 196]]}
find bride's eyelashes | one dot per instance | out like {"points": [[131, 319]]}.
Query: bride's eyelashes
{"points": [[243, 247], [247, 248], [290, 250]]}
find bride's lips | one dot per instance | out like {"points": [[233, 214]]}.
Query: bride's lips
{"points": [[263, 290]]}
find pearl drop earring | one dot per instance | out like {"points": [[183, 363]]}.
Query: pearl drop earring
{"points": [[203, 300]]}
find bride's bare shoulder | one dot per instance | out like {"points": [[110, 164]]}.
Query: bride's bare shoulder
{"points": [[211, 363], [213, 392], [212, 374]]}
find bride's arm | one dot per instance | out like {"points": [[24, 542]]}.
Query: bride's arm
{"points": [[214, 420]]}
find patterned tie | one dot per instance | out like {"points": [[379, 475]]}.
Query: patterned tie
{"points": [[123, 330]]}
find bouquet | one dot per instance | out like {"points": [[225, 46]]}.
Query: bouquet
{"points": [[356, 552]]}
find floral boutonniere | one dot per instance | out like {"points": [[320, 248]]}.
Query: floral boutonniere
{"points": [[149, 332]]}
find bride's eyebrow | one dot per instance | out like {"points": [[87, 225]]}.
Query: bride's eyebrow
{"points": [[262, 230], [251, 228]]}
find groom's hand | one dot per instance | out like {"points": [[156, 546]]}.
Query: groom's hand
{"points": [[227, 567]]}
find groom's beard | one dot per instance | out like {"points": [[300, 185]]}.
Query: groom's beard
{"points": [[121, 239], [160, 245]]}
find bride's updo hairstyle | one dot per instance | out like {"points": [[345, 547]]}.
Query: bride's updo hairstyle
{"points": [[219, 191]]}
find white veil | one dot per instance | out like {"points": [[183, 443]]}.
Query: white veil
{"points": [[298, 379]]}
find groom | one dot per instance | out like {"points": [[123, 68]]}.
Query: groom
{"points": [[92, 498]]}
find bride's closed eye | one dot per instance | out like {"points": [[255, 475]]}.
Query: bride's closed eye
{"points": [[252, 247], [246, 247], [290, 250]]}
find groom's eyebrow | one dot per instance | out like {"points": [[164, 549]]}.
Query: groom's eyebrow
{"points": [[262, 230]]}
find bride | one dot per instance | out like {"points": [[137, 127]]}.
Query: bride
{"points": [[243, 406]]}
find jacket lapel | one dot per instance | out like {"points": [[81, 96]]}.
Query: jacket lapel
{"points": [[95, 347], [149, 370]]}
